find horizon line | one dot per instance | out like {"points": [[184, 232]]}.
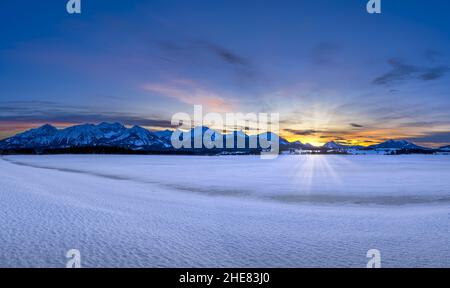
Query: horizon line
{"points": [[129, 126]]}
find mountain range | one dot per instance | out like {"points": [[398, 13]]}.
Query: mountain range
{"points": [[137, 138], [445, 148], [387, 145], [116, 135]]}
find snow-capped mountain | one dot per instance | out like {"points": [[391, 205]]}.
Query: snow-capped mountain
{"points": [[388, 145], [233, 140], [86, 135], [111, 129], [199, 137], [137, 138], [335, 146], [238, 139], [445, 148], [397, 145], [262, 140], [204, 133], [117, 135], [76, 136], [164, 135], [38, 137], [270, 136]]}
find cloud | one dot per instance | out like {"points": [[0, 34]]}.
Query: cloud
{"points": [[16, 115], [402, 71], [190, 92], [435, 137], [322, 134], [242, 66], [228, 56], [205, 53], [302, 132], [434, 73]]}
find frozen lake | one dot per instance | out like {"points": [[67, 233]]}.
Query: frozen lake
{"points": [[186, 211]]}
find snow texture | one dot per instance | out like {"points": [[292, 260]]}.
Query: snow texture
{"points": [[186, 211]]}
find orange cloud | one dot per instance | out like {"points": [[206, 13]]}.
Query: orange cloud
{"points": [[189, 92], [370, 136]]}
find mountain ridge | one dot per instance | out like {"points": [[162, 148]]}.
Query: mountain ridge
{"points": [[397, 144], [138, 138], [111, 135]]}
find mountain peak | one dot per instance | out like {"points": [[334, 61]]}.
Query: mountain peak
{"points": [[396, 144], [137, 137], [47, 127], [107, 125], [137, 127], [44, 129], [446, 148], [140, 131], [397, 141], [200, 128], [334, 145], [164, 134]]}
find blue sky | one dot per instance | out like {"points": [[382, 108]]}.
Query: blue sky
{"points": [[332, 71]]}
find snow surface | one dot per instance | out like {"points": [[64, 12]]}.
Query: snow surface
{"points": [[186, 211]]}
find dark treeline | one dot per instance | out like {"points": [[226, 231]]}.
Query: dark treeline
{"points": [[202, 151], [124, 151]]}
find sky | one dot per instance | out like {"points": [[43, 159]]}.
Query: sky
{"points": [[331, 70]]}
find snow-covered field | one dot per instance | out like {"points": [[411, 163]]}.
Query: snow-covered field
{"points": [[185, 211]]}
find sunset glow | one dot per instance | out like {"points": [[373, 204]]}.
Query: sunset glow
{"points": [[328, 80]]}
